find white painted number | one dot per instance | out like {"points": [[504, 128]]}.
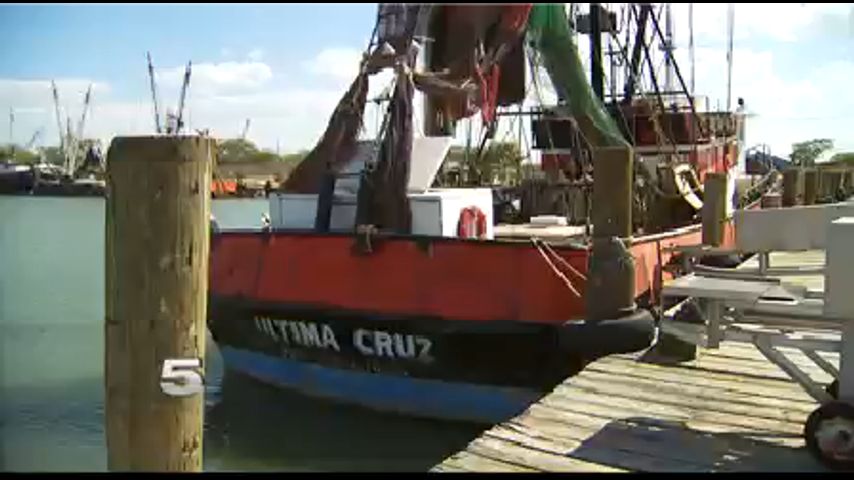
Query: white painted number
{"points": [[179, 377]]}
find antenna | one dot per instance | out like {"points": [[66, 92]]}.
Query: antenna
{"points": [[153, 94]]}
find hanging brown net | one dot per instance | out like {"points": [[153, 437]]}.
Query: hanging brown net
{"points": [[338, 143], [472, 45]]}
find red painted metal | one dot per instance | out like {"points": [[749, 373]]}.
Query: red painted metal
{"points": [[448, 278]]}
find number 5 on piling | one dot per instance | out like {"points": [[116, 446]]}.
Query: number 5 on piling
{"points": [[179, 377]]}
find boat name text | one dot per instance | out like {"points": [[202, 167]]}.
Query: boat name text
{"points": [[372, 343]]}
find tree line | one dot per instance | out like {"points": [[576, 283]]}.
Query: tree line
{"points": [[228, 151], [500, 163]]}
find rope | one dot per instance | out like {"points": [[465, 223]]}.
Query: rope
{"points": [[557, 272], [560, 259]]}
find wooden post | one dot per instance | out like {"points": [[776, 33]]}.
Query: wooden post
{"points": [[791, 187], [830, 180], [714, 208], [835, 179], [157, 242], [611, 275], [810, 186]]}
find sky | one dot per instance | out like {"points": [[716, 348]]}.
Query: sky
{"points": [[285, 66]]}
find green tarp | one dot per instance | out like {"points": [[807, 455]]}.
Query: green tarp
{"points": [[548, 30]]}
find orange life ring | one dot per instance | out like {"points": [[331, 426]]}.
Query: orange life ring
{"points": [[472, 223]]}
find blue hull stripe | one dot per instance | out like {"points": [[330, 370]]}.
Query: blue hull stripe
{"points": [[389, 393]]}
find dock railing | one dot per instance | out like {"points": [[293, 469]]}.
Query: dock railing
{"points": [[754, 306]]}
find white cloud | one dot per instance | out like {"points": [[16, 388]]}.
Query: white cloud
{"points": [[788, 106], [791, 106], [256, 55], [215, 78], [32, 101], [341, 64], [783, 22]]}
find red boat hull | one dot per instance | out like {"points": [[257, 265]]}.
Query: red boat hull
{"points": [[417, 316], [445, 278]]}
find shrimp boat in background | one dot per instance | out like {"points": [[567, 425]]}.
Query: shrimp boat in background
{"points": [[373, 288]]}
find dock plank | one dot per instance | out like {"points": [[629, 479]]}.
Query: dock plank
{"points": [[472, 462], [588, 422], [690, 393], [729, 409], [517, 453], [712, 414], [692, 375], [662, 446]]}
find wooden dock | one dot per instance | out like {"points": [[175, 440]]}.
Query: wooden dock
{"points": [[729, 410]]}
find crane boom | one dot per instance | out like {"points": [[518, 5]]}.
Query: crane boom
{"points": [[71, 150], [58, 118], [82, 122], [33, 139], [180, 122], [85, 110], [245, 130], [153, 94]]}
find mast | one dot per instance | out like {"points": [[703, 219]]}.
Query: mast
{"points": [[730, 25], [668, 48], [691, 43], [596, 79], [613, 62], [11, 125], [638, 48]]}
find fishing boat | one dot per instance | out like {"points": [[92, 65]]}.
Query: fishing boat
{"points": [[372, 287], [15, 178]]}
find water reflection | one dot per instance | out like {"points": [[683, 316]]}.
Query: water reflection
{"points": [[252, 426]]}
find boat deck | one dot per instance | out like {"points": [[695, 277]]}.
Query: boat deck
{"points": [[526, 231], [730, 409]]}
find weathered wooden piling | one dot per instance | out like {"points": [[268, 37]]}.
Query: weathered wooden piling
{"points": [[831, 181], [714, 208], [157, 241], [714, 218], [811, 179], [791, 187], [610, 286]]}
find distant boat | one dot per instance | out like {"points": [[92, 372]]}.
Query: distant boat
{"points": [[15, 178]]}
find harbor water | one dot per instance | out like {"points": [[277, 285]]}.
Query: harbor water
{"points": [[51, 368]]}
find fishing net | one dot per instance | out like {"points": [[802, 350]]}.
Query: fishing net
{"points": [[548, 31]]}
